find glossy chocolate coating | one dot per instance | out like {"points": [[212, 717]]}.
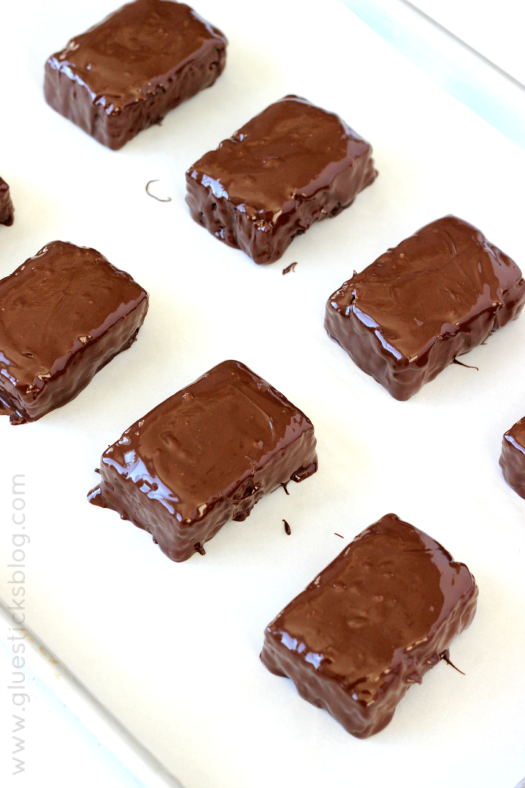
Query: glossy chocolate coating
{"points": [[205, 456], [7, 212], [371, 624], [65, 313], [290, 166], [512, 459], [437, 295], [129, 71]]}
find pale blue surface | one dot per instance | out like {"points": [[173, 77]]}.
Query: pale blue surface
{"points": [[463, 73]]}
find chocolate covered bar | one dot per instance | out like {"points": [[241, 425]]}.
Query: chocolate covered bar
{"points": [[437, 295], [65, 313], [206, 455], [129, 71], [290, 166], [7, 212], [512, 459], [372, 624]]}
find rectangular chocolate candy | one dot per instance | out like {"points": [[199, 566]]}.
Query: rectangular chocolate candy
{"points": [[205, 456], [65, 313], [290, 166], [129, 71], [437, 295], [6, 206], [512, 459], [372, 624]]}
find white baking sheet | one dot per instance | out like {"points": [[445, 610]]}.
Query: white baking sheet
{"points": [[494, 28], [172, 649]]}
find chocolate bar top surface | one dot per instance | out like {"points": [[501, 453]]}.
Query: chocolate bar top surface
{"points": [[54, 304], [390, 589], [516, 436], [207, 438], [293, 148], [444, 274], [132, 52]]}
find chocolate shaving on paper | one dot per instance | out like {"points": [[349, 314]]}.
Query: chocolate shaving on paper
{"points": [[160, 199]]}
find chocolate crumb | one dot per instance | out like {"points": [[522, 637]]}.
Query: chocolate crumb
{"points": [[97, 470], [160, 199], [342, 537], [287, 528], [289, 268], [445, 655], [468, 366]]}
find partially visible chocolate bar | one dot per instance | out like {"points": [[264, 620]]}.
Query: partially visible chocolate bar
{"points": [[290, 166], [204, 456], [371, 624], [7, 212], [130, 70], [434, 297], [65, 313], [512, 459]]}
